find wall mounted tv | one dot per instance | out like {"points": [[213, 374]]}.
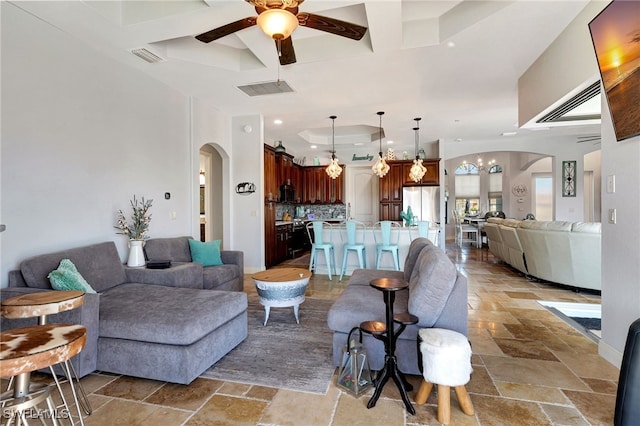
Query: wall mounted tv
{"points": [[615, 33]]}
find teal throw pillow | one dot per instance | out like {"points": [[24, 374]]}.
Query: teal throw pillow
{"points": [[207, 253], [67, 277]]}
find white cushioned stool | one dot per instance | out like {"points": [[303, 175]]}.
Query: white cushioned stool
{"points": [[446, 360]]}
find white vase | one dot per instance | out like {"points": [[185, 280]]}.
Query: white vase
{"points": [[136, 255]]}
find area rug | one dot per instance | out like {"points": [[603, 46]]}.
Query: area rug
{"points": [[282, 354]]}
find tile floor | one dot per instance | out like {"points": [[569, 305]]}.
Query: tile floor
{"points": [[530, 368]]}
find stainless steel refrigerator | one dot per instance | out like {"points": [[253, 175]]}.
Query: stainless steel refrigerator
{"points": [[424, 202]]}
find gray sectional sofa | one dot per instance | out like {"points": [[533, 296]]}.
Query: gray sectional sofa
{"points": [[437, 295], [229, 276], [161, 324]]}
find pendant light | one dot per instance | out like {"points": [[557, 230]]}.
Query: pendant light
{"points": [[417, 169], [381, 167], [333, 169]]}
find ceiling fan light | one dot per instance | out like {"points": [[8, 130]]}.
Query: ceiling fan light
{"points": [[277, 23]]}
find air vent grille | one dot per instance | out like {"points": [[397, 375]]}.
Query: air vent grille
{"points": [[560, 113], [147, 55], [267, 88]]}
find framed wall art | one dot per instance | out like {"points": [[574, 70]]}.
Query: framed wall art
{"points": [[568, 178]]}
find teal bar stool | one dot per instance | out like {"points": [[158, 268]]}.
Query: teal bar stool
{"points": [[353, 233], [387, 235], [423, 228], [318, 244]]}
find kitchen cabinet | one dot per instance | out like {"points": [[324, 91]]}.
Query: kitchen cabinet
{"points": [[390, 188], [319, 188], [284, 235], [391, 211], [391, 183], [284, 167], [270, 187], [430, 178]]}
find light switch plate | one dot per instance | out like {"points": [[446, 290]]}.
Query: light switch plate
{"points": [[611, 184], [612, 216]]}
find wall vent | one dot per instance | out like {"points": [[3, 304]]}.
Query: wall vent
{"points": [[563, 112], [147, 55], [267, 88]]}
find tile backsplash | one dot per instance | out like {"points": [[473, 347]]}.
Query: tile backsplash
{"points": [[321, 211]]}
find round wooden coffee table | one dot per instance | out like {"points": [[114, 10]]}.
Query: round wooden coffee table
{"points": [[281, 287]]}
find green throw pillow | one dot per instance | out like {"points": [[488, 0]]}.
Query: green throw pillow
{"points": [[67, 277], [206, 253]]}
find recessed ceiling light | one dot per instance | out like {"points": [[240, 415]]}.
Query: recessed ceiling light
{"points": [[458, 139], [509, 133], [277, 121], [389, 142], [358, 144], [451, 44], [313, 146]]}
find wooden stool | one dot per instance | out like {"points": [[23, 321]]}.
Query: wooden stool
{"points": [[41, 305], [29, 349], [446, 360]]}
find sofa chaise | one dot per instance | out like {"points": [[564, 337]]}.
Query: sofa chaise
{"points": [[437, 295], [157, 324]]}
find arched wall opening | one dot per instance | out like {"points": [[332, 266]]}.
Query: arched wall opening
{"points": [[213, 161]]}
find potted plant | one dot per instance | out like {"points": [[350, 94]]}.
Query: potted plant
{"points": [[137, 230]]}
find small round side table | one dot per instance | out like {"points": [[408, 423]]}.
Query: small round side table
{"points": [[41, 305], [281, 287]]}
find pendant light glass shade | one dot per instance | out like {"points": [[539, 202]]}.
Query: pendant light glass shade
{"points": [[417, 169], [380, 168], [333, 169]]}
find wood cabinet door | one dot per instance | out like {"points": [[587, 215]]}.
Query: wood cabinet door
{"points": [[396, 180], [431, 176], [390, 211], [270, 235], [270, 174], [336, 188]]}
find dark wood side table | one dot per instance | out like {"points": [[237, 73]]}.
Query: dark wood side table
{"points": [[387, 333]]}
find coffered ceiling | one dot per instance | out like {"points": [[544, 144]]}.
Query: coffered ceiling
{"points": [[453, 63]]}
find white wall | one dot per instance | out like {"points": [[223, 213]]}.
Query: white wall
{"points": [[566, 67], [620, 241], [247, 221], [81, 134]]}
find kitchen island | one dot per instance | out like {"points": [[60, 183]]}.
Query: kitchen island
{"points": [[337, 235]]}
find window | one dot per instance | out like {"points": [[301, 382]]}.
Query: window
{"points": [[543, 198], [467, 184], [495, 188]]}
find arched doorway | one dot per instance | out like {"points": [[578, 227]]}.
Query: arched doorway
{"points": [[211, 194]]}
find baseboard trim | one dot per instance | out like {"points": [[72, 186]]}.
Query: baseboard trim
{"points": [[610, 353]]}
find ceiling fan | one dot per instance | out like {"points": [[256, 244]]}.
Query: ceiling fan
{"points": [[278, 19]]}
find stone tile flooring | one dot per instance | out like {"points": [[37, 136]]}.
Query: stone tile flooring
{"points": [[530, 368]]}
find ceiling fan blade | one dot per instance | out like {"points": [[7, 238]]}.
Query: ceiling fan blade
{"points": [[287, 54], [225, 30], [330, 25]]}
